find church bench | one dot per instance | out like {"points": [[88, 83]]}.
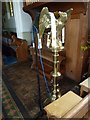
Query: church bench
{"points": [[21, 47]]}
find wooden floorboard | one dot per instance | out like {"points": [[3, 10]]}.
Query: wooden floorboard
{"points": [[24, 83]]}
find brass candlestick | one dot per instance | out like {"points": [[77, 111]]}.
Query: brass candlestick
{"points": [[56, 92], [45, 22]]}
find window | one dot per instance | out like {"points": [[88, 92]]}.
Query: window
{"points": [[11, 8]]}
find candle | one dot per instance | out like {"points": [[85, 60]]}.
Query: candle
{"points": [[39, 41], [63, 34], [53, 29]]}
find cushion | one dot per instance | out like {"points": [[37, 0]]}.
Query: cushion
{"points": [[62, 105]]}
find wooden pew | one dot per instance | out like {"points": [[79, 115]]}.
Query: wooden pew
{"points": [[21, 47], [47, 57]]}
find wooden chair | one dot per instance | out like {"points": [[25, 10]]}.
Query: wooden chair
{"points": [[85, 86]]}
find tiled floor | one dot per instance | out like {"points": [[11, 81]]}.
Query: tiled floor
{"points": [[9, 105], [0, 98]]}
